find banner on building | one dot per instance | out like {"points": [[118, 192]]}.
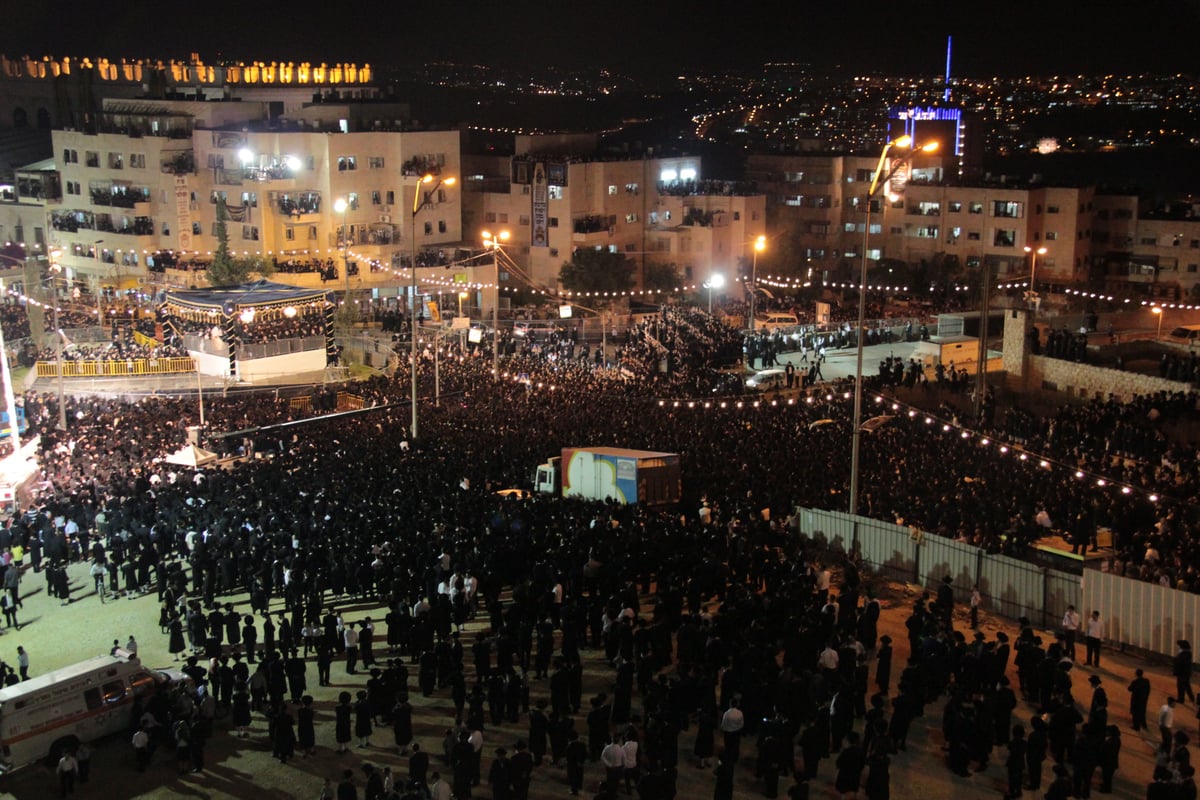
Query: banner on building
{"points": [[183, 212], [540, 199]]}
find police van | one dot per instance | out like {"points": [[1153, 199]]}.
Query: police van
{"points": [[44, 716]]}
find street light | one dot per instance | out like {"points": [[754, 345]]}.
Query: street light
{"points": [[420, 201], [878, 179], [564, 312], [715, 281], [1032, 295], [495, 242], [55, 269], [760, 244], [1158, 312], [340, 206]]}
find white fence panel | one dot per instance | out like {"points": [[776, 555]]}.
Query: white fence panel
{"points": [[940, 556], [888, 548], [835, 527], [1013, 588], [1062, 590], [1141, 614]]}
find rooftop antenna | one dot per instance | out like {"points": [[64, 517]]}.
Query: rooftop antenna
{"points": [[946, 94]]}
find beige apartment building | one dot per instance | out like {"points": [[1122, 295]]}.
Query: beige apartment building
{"points": [[554, 198], [1092, 240]]}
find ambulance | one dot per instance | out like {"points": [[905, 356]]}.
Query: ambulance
{"points": [[44, 716]]}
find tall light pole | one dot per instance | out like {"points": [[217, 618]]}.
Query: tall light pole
{"points": [[760, 244], [494, 242], [421, 198], [878, 179], [1032, 295], [55, 269], [715, 281], [10, 400], [340, 206], [564, 312], [1158, 312], [100, 288]]}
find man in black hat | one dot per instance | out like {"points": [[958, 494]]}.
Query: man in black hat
{"points": [[500, 775], [1109, 758], [1181, 668], [1098, 711], [945, 602], [883, 664], [597, 725], [1139, 697]]}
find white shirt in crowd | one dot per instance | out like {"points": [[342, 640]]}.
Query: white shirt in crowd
{"points": [[733, 720], [612, 756]]}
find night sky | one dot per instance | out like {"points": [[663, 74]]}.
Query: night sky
{"points": [[640, 38]]}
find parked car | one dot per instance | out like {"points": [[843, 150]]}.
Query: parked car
{"points": [[776, 321], [537, 330], [766, 380]]}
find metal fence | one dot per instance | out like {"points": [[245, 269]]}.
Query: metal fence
{"points": [[1141, 614], [246, 352], [116, 369], [280, 347], [1009, 586]]}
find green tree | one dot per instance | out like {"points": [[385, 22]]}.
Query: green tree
{"points": [[591, 270], [662, 277], [227, 269]]}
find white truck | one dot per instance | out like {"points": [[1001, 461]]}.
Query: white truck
{"points": [[47, 714], [616, 473]]}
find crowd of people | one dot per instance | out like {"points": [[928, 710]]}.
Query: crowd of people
{"points": [[719, 621]]}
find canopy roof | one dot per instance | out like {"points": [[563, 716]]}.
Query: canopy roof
{"points": [[245, 295], [191, 456]]}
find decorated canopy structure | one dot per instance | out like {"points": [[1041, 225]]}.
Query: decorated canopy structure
{"points": [[246, 317], [265, 296]]}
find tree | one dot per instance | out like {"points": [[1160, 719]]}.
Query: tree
{"points": [[591, 270], [661, 277], [226, 269]]}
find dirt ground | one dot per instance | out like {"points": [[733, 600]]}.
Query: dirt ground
{"points": [[55, 636]]}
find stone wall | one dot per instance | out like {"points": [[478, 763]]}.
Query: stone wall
{"points": [[1085, 380], [1028, 372]]}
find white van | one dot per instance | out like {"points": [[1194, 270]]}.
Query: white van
{"points": [[46, 715], [776, 321], [1187, 335], [766, 380]]}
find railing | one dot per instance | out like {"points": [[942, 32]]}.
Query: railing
{"points": [[1011, 587], [1139, 613], [204, 344], [116, 369], [345, 402], [280, 347], [348, 402]]}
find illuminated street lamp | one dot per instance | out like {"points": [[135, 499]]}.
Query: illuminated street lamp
{"points": [[495, 243], [1031, 296], [341, 206], [564, 312], [878, 180], [55, 269], [421, 199], [1158, 312], [760, 244], [715, 281]]}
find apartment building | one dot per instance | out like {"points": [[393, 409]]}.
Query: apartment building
{"points": [[1092, 239], [654, 210], [141, 195]]}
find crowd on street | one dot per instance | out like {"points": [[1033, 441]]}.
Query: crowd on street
{"points": [[725, 637]]}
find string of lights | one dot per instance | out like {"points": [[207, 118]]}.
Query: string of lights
{"points": [[901, 410]]}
